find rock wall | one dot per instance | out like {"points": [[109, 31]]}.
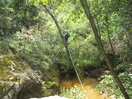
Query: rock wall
{"points": [[19, 81]]}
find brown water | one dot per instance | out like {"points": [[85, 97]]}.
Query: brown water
{"points": [[89, 85]]}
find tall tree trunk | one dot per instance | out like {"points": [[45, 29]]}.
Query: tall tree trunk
{"points": [[101, 48]]}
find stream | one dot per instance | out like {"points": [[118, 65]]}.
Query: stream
{"points": [[89, 85]]}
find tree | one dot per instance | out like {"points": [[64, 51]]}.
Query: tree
{"points": [[66, 45], [100, 45]]}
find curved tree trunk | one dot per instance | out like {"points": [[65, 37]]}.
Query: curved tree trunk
{"points": [[101, 48], [66, 47], [61, 34]]}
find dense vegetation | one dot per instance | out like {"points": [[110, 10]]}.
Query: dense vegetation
{"points": [[28, 31]]}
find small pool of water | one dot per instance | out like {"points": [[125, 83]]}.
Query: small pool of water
{"points": [[89, 85]]}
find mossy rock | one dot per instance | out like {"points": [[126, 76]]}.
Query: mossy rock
{"points": [[10, 65], [52, 83], [11, 69], [50, 88]]}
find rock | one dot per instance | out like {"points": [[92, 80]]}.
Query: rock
{"points": [[19, 80], [51, 97], [16, 77], [11, 91]]}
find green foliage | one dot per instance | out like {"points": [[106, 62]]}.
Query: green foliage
{"points": [[16, 14], [72, 93], [7, 24], [88, 58], [31, 48], [29, 32], [123, 66], [108, 85]]}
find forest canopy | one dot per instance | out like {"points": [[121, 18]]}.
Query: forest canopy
{"points": [[33, 30]]}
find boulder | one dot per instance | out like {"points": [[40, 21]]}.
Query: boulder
{"points": [[51, 97]]}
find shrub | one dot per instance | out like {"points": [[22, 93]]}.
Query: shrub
{"points": [[123, 66], [72, 93], [109, 86]]}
